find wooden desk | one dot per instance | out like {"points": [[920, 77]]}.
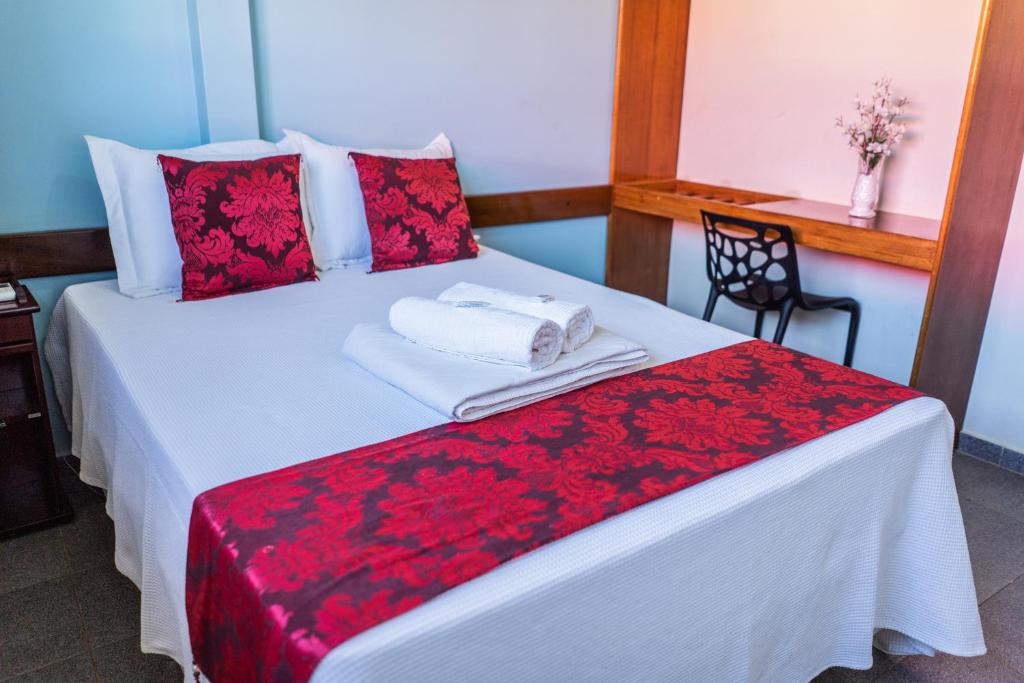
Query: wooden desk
{"points": [[908, 241]]}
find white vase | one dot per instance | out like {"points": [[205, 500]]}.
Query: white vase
{"points": [[864, 197]]}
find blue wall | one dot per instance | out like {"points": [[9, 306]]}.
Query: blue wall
{"points": [[576, 247], [117, 68], [523, 88]]}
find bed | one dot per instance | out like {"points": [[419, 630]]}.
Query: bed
{"points": [[772, 572]]}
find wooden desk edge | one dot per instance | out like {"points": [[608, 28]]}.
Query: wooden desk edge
{"points": [[908, 251]]}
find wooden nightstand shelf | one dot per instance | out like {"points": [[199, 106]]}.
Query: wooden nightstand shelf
{"points": [[30, 492]]}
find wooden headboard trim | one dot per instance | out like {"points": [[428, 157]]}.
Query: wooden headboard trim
{"points": [[87, 250]]}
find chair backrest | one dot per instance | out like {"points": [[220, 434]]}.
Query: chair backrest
{"points": [[750, 262]]}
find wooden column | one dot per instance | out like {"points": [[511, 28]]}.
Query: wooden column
{"points": [[981, 191], [646, 116]]}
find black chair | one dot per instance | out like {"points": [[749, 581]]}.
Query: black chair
{"points": [[753, 264]]}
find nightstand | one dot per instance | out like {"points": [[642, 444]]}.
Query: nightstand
{"points": [[31, 496]]}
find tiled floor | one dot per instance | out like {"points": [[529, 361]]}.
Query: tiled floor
{"points": [[67, 615]]}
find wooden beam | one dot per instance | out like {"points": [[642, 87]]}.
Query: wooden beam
{"points": [[648, 101], [87, 250], [982, 185], [646, 115], [638, 253]]}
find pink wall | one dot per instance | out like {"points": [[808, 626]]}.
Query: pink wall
{"points": [[764, 83]]}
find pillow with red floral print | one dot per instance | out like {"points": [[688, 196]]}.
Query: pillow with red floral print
{"points": [[415, 210], [238, 224]]}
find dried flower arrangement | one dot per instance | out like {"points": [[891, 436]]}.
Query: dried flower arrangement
{"points": [[876, 130]]}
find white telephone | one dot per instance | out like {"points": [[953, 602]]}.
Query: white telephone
{"points": [[7, 292]]}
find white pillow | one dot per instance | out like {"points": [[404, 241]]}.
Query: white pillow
{"points": [[138, 211], [340, 234]]}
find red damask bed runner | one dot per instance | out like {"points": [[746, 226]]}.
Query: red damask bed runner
{"points": [[284, 566]]}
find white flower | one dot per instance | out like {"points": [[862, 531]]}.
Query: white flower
{"points": [[875, 132]]}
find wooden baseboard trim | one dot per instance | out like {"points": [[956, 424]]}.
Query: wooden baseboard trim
{"points": [[536, 206], [87, 250], [56, 252]]}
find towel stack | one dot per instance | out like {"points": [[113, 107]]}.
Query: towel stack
{"points": [[556, 341]]}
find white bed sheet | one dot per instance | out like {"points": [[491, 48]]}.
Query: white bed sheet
{"points": [[772, 572]]}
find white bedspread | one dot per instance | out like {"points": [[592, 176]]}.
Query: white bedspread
{"points": [[772, 572]]}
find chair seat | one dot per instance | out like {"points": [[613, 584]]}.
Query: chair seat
{"points": [[817, 302]]}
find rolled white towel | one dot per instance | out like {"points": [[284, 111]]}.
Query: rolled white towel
{"points": [[483, 333], [577, 320]]}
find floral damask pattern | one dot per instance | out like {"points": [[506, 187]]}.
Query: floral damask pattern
{"points": [[415, 211], [238, 224], [283, 567]]}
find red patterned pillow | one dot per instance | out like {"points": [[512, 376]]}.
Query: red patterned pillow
{"points": [[415, 210], [238, 224]]}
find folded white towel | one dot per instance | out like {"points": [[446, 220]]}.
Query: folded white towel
{"points": [[482, 333], [576, 319], [466, 390]]}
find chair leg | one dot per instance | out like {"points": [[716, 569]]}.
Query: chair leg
{"points": [[710, 307], [851, 336], [758, 324], [780, 331]]}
